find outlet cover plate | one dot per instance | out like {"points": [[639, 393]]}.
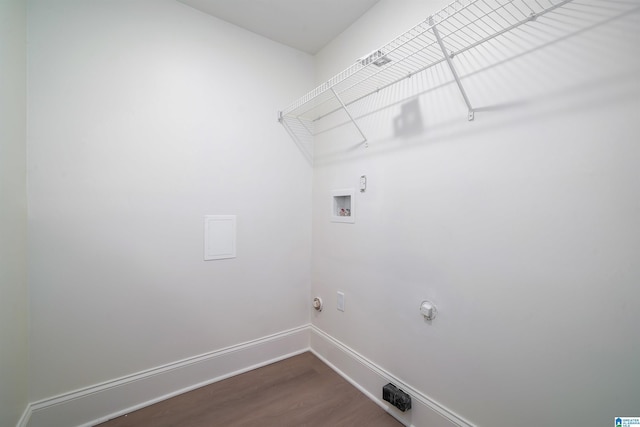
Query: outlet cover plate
{"points": [[340, 301]]}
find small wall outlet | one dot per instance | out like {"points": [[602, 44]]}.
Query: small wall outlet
{"points": [[396, 397], [340, 301]]}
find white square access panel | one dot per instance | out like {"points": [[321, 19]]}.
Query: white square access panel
{"points": [[219, 237], [343, 205]]}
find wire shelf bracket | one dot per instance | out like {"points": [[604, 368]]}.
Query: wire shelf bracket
{"points": [[447, 57], [346, 110], [459, 27]]}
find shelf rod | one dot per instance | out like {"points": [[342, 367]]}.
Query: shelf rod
{"points": [[529, 18], [457, 52], [421, 69], [378, 89], [346, 110], [451, 67], [328, 86]]}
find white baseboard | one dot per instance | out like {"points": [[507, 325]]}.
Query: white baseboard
{"points": [[93, 405], [99, 403], [369, 378], [26, 415]]}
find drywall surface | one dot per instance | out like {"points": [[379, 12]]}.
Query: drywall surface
{"points": [[13, 213], [521, 226], [145, 116]]}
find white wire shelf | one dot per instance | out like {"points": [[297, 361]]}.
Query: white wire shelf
{"points": [[459, 27]]}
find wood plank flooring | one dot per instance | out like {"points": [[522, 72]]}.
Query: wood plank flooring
{"points": [[299, 391]]}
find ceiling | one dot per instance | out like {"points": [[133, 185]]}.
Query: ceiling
{"points": [[307, 25]]}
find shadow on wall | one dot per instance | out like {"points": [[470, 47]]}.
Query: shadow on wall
{"points": [[531, 63], [409, 122]]}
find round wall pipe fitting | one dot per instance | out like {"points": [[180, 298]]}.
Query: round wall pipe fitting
{"points": [[317, 303]]}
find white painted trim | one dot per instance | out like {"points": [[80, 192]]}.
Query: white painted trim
{"points": [[92, 405], [369, 378], [98, 403], [26, 415]]}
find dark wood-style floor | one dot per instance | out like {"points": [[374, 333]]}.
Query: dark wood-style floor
{"points": [[299, 391]]}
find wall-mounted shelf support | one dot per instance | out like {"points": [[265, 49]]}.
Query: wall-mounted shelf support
{"points": [[461, 26], [346, 110], [447, 57]]}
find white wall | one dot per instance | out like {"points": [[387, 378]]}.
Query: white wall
{"points": [[13, 213], [522, 226], [144, 116]]}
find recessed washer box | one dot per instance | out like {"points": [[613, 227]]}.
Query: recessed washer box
{"points": [[343, 207]]}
